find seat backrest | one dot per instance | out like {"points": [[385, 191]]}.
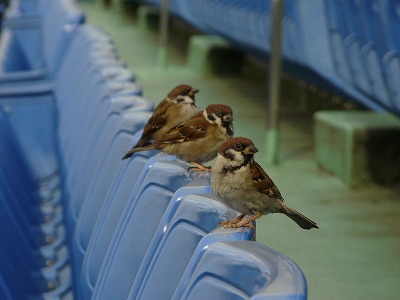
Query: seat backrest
{"points": [[136, 227], [93, 206], [98, 90], [39, 40], [59, 23], [73, 145], [241, 270], [12, 158], [125, 185], [19, 259], [189, 222], [95, 176]]}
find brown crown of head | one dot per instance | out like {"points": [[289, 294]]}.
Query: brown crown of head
{"points": [[238, 144], [182, 89], [219, 109]]}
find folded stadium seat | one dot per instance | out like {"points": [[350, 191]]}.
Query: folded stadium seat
{"points": [[23, 190], [138, 222], [92, 41], [240, 270], [105, 82], [34, 52], [72, 90], [53, 231], [39, 232], [372, 20], [78, 96], [21, 19], [16, 272], [188, 222], [26, 262], [312, 45], [185, 11], [35, 113], [390, 21], [121, 84], [182, 11], [326, 54], [126, 186], [350, 36], [357, 19], [372, 36], [84, 62], [103, 184], [85, 135], [109, 142], [119, 78], [41, 229]]}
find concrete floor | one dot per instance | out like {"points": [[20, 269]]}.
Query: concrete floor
{"points": [[356, 252]]}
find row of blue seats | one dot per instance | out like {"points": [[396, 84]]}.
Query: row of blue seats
{"points": [[348, 46], [80, 223]]}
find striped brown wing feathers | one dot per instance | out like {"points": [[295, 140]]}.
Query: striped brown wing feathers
{"points": [[157, 120], [263, 182], [193, 129]]}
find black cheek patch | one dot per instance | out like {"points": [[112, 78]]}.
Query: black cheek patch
{"points": [[211, 117], [229, 155]]}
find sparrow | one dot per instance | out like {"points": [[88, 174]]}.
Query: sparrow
{"points": [[242, 184], [178, 106], [197, 139]]}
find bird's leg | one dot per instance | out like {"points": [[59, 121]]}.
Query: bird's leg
{"points": [[198, 167], [234, 221], [249, 220], [246, 222]]}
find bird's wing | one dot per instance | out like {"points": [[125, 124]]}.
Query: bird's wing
{"points": [[263, 183], [193, 129], [157, 120]]}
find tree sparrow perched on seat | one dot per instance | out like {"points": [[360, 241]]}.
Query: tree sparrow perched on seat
{"points": [[197, 139], [178, 106], [242, 184]]}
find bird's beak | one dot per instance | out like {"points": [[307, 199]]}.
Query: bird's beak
{"points": [[251, 149], [194, 91], [227, 118]]}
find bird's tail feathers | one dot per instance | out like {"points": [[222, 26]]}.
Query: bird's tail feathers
{"points": [[137, 149], [300, 219]]}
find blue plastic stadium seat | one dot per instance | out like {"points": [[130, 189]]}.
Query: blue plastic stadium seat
{"points": [[110, 143], [348, 47], [137, 224], [103, 183], [29, 51], [189, 222], [93, 250], [35, 113], [240, 270]]}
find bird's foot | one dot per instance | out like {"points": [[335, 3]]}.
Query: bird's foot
{"points": [[198, 167], [237, 222], [230, 224]]}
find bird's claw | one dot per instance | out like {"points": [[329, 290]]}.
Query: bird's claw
{"points": [[230, 224], [198, 167]]}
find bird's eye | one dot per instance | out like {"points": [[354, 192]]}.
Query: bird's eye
{"points": [[237, 146], [185, 93], [219, 114]]}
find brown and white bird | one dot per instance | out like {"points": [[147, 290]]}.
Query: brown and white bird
{"points": [[242, 184], [178, 106], [196, 140]]}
